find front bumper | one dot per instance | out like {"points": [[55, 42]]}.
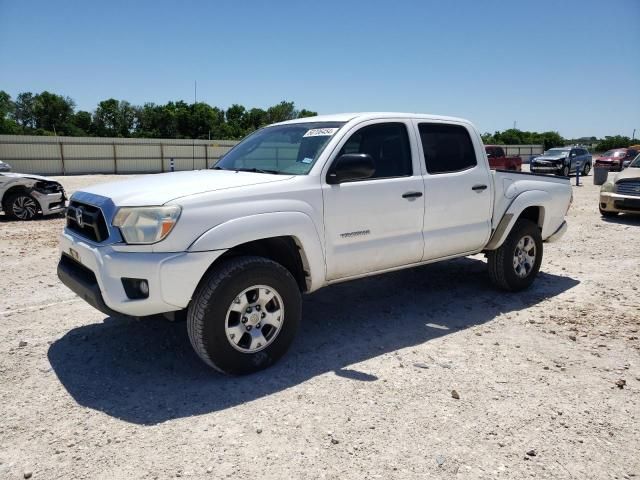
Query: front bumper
{"points": [[613, 202], [612, 166], [545, 168], [95, 273], [50, 203]]}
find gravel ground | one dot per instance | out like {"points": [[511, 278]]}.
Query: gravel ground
{"points": [[367, 388]]}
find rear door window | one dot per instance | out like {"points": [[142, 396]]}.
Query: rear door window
{"points": [[447, 148]]}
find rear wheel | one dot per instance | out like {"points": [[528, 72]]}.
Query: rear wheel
{"points": [[516, 263], [586, 169], [244, 315], [21, 206]]}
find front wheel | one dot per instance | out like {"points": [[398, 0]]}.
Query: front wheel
{"points": [[21, 206], [565, 171], [515, 264], [244, 315]]}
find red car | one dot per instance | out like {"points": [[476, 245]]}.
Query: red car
{"points": [[499, 161], [614, 159]]}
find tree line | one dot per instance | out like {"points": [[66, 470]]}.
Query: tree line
{"points": [[513, 136], [47, 113]]}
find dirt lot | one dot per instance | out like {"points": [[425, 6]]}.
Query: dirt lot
{"points": [[365, 392]]}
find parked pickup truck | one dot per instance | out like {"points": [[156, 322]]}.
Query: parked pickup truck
{"points": [[498, 160], [297, 206]]}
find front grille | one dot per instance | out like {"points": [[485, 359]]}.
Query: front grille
{"points": [[628, 187], [87, 221], [47, 187], [628, 204]]}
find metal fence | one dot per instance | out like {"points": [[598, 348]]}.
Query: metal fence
{"points": [[526, 152], [85, 155]]}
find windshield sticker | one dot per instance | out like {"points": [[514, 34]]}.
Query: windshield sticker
{"points": [[321, 132], [307, 160]]}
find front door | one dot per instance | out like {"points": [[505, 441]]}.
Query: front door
{"points": [[375, 224]]}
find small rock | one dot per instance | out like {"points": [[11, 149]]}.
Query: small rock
{"points": [[572, 337], [22, 344], [621, 383], [210, 469], [421, 365], [440, 460], [532, 453], [258, 430], [335, 441], [27, 474], [455, 395]]}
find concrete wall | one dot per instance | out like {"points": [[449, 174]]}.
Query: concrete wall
{"points": [[85, 155]]}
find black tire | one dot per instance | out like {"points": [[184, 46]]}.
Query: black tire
{"points": [[604, 213], [500, 261], [565, 171], [208, 313], [20, 206], [586, 169]]}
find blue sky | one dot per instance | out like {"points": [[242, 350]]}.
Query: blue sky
{"points": [[570, 66]]}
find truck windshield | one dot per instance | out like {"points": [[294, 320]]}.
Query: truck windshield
{"points": [[614, 153], [282, 149], [556, 151]]}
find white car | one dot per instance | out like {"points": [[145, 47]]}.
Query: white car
{"points": [[297, 206], [24, 196]]}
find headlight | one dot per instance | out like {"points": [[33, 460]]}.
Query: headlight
{"points": [[607, 187], [144, 225]]}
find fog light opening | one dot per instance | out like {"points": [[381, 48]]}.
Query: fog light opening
{"points": [[136, 288]]}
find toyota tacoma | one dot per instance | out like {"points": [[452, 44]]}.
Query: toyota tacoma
{"points": [[297, 206]]}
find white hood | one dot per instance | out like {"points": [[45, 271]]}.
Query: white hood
{"points": [[161, 188]]}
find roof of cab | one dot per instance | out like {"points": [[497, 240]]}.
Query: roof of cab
{"points": [[346, 117]]}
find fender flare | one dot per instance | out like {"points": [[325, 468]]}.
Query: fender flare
{"points": [[531, 198], [250, 228]]}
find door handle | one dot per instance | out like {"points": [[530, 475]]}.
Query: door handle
{"points": [[478, 188], [412, 195]]}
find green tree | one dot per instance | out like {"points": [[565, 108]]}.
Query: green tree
{"points": [[23, 113], [281, 112], [7, 125], [82, 121], [53, 112], [616, 141], [306, 113]]}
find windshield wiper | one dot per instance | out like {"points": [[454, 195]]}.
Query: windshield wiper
{"points": [[256, 170]]}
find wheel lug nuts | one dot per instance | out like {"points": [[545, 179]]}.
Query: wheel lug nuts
{"points": [[244, 319], [249, 310], [257, 308], [248, 327], [262, 315], [258, 325]]}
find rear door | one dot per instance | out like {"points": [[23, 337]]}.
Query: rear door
{"points": [[458, 190]]}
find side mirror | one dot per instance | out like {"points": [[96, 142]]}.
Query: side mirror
{"points": [[489, 155], [351, 166]]}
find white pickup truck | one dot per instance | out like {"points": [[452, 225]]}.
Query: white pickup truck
{"points": [[297, 206]]}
